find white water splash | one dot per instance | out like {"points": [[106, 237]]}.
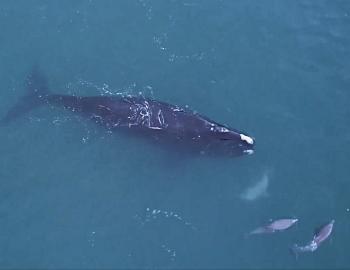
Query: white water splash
{"points": [[59, 120], [171, 252], [161, 42], [153, 214], [91, 239], [105, 89], [148, 8]]}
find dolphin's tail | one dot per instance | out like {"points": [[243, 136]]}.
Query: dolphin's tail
{"points": [[37, 93]]}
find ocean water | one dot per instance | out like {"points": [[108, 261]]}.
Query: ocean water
{"points": [[74, 196]]}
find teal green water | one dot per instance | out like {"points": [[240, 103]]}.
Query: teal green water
{"points": [[74, 196]]}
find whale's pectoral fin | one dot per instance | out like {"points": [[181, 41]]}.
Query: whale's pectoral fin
{"points": [[37, 92]]}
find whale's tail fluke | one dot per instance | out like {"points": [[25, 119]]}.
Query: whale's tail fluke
{"points": [[37, 92]]}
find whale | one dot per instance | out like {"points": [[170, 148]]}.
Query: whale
{"points": [[161, 122]]}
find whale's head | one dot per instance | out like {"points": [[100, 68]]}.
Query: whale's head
{"points": [[205, 136], [230, 141]]}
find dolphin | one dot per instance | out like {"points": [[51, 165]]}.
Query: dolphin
{"points": [[257, 190], [320, 235], [275, 226], [159, 121]]}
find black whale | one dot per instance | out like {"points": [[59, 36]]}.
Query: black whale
{"points": [[160, 121]]}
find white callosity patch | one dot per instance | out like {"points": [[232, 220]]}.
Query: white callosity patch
{"points": [[161, 119], [246, 139], [176, 108], [141, 115], [222, 129], [249, 151]]}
